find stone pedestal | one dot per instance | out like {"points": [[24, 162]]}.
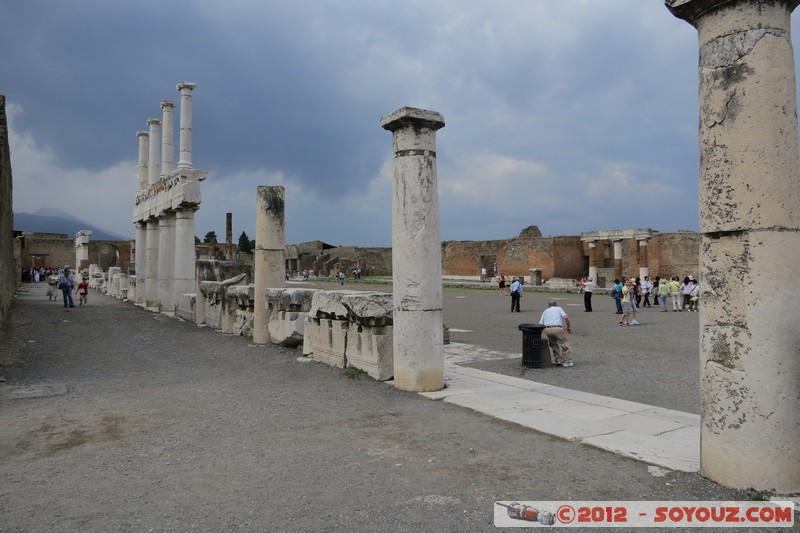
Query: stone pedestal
{"points": [[269, 264], [416, 251], [750, 242]]}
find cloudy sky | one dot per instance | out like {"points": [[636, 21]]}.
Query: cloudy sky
{"points": [[573, 115]]}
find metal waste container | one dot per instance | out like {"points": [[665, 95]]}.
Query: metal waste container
{"points": [[532, 345]]}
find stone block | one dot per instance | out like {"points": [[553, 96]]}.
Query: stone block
{"points": [[297, 300], [373, 309], [286, 328], [185, 309], [370, 349], [329, 340], [328, 304]]}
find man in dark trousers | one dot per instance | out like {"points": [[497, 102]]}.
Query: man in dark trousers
{"points": [[516, 294], [588, 288]]}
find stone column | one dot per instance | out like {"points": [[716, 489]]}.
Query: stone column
{"points": [[144, 148], [644, 269], [416, 251], [186, 89], [618, 259], [151, 283], [184, 275], [593, 260], [750, 242], [269, 269], [140, 262], [82, 250], [167, 133], [166, 261], [153, 164], [229, 236]]}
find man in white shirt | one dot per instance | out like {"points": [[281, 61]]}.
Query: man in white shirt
{"points": [[556, 326], [588, 288], [516, 294]]}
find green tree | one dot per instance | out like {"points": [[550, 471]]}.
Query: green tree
{"points": [[245, 243], [211, 236]]}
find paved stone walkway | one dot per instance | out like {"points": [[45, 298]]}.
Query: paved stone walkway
{"points": [[655, 435]]}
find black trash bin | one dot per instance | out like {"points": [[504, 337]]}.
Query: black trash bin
{"points": [[532, 345]]}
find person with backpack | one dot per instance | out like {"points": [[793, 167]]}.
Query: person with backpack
{"points": [[616, 294]]}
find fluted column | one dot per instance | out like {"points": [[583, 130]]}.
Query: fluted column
{"points": [[269, 268], [166, 261], [416, 251], [154, 160], [144, 149], [186, 89], [167, 134], [750, 242]]}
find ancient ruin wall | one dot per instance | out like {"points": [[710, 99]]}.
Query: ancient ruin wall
{"points": [[7, 267]]}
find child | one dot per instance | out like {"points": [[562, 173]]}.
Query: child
{"points": [[83, 292]]}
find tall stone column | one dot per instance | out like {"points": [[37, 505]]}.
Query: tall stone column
{"points": [[593, 260], [750, 242], [617, 258], [140, 262], [186, 89], [166, 261], [416, 251], [144, 149], [229, 255], [184, 275], [151, 282], [644, 268], [167, 134], [153, 165], [269, 267]]}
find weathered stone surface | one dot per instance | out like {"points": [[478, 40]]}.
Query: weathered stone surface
{"points": [[328, 340], [286, 328], [186, 305], [369, 309], [328, 304], [298, 300], [370, 349]]}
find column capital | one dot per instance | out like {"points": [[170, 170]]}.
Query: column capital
{"points": [[186, 85], [153, 122], [167, 103], [141, 134], [406, 116], [691, 10]]}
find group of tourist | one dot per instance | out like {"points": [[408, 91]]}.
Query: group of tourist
{"points": [[635, 293], [63, 281]]}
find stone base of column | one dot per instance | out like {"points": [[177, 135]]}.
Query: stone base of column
{"points": [[418, 351]]}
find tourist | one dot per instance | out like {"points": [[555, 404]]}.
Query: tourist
{"points": [[663, 295], [675, 293], [501, 284], [483, 274], [507, 283], [654, 290], [588, 289], [516, 294], [556, 326], [637, 291], [341, 277], [616, 294], [628, 300], [686, 289], [52, 286], [83, 292], [694, 298], [647, 287], [65, 283]]}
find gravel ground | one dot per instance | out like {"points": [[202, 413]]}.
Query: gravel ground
{"points": [[113, 418]]}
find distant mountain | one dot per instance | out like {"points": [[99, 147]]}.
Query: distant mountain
{"points": [[49, 220]]}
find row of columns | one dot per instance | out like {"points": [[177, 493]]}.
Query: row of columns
{"points": [[165, 256], [617, 250]]}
